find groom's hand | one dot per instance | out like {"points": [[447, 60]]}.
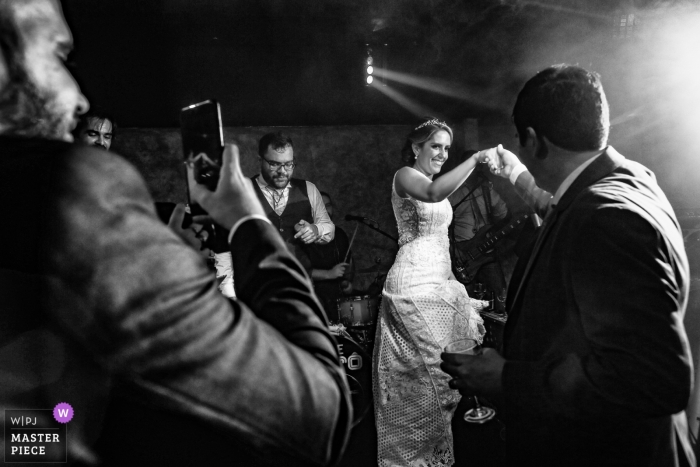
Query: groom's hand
{"points": [[508, 161]]}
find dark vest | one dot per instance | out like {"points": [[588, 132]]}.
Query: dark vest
{"points": [[298, 207]]}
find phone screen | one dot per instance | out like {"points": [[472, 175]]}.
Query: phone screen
{"points": [[203, 140]]}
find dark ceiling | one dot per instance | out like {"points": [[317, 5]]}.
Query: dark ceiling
{"points": [[300, 62]]}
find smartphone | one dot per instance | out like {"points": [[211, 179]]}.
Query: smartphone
{"points": [[203, 140]]}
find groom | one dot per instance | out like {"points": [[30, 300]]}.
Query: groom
{"points": [[596, 368]]}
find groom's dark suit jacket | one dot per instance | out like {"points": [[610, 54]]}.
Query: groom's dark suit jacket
{"points": [[94, 288], [598, 359]]}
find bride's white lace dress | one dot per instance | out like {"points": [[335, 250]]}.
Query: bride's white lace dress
{"points": [[422, 310]]}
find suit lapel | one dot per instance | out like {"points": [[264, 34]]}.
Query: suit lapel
{"points": [[601, 167]]}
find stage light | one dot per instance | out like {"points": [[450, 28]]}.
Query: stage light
{"points": [[376, 63], [369, 60]]}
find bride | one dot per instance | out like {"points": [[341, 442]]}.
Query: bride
{"points": [[423, 308]]}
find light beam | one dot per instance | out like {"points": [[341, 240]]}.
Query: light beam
{"points": [[407, 103]]}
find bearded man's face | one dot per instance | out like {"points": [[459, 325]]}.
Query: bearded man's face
{"points": [[38, 95]]}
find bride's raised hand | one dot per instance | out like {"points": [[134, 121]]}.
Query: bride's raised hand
{"points": [[491, 157]]}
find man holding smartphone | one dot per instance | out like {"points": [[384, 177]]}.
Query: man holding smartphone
{"points": [[97, 292]]}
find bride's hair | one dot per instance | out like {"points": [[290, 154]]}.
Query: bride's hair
{"points": [[419, 135]]}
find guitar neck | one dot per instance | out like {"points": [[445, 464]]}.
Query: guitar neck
{"points": [[497, 236]]}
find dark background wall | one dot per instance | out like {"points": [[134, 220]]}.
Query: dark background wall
{"points": [[354, 164]]}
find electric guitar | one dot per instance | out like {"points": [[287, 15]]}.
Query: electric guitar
{"points": [[468, 256]]}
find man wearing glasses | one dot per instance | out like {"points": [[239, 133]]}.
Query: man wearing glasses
{"points": [[293, 205]]}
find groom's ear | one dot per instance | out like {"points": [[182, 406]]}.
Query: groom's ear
{"points": [[530, 137], [537, 144]]}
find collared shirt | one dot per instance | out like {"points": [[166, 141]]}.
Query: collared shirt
{"points": [[568, 181], [277, 199]]}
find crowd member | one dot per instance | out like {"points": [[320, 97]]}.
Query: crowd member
{"points": [[596, 367], [97, 289], [423, 308], [294, 206], [477, 207], [331, 273], [95, 128]]}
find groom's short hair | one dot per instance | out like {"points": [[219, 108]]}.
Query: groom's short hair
{"points": [[567, 104]]}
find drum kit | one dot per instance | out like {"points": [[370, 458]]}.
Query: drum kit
{"points": [[354, 331], [354, 335]]}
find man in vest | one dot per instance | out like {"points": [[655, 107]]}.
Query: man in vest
{"points": [[293, 205]]}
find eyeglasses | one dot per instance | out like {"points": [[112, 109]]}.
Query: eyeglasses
{"points": [[276, 165]]}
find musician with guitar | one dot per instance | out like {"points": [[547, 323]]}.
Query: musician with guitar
{"points": [[480, 220]]}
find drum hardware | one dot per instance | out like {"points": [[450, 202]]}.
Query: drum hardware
{"points": [[358, 371], [359, 315], [358, 310], [364, 335]]}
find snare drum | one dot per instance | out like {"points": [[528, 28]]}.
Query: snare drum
{"points": [[360, 310], [359, 314], [358, 371]]}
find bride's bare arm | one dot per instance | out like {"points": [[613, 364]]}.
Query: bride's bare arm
{"points": [[413, 183]]}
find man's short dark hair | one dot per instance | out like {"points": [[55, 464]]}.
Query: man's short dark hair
{"points": [[277, 140], [94, 113], [565, 103]]}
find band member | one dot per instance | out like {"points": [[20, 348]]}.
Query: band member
{"points": [[96, 128], [477, 210], [331, 273], [294, 206]]}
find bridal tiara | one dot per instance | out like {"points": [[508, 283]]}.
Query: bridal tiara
{"points": [[434, 121]]}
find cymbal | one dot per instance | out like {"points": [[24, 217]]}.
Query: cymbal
{"points": [[375, 268]]}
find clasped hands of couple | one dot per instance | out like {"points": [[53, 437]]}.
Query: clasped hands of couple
{"points": [[501, 162]]}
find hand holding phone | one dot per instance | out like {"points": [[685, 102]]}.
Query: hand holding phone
{"points": [[234, 197]]}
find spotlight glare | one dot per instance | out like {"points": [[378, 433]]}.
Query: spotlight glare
{"points": [[370, 79], [370, 70]]}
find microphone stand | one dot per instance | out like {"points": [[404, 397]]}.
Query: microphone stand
{"points": [[377, 229]]}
